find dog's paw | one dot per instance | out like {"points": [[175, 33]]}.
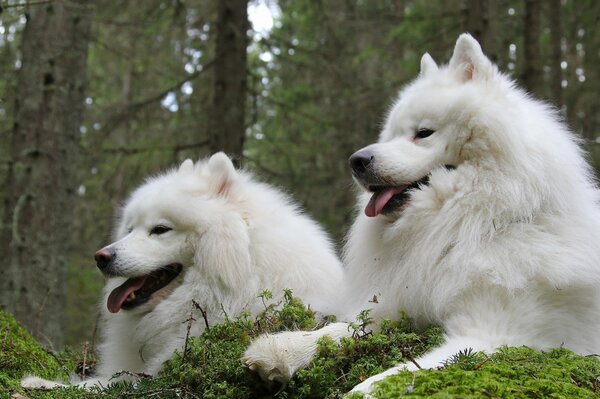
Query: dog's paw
{"points": [[277, 357], [267, 371], [32, 382], [265, 356]]}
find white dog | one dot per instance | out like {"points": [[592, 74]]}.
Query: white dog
{"points": [[480, 215], [205, 233]]}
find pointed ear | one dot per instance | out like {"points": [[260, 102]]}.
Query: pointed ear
{"points": [[222, 173], [468, 60], [186, 166], [428, 65]]}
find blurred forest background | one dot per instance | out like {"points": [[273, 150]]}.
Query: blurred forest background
{"points": [[97, 95]]}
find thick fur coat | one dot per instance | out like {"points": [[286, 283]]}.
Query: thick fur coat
{"points": [[229, 237], [481, 216]]}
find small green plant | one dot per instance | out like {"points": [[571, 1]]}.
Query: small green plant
{"points": [[466, 359], [363, 320]]}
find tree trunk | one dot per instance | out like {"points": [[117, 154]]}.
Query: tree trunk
{"points": [[531, 44], [41, 184], [227, 118], [482, 22], [555, 52]]}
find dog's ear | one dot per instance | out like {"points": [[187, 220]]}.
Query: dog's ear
{"points": [[428, 65], [223, 252], [186, 166], [222, 173], [468, 60]]}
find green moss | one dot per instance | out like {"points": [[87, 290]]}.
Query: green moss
{"points": [[509, 373], [21, 355], [211, 366]]}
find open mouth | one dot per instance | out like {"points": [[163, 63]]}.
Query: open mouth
{"points": [[137, 291], [387, 199]]}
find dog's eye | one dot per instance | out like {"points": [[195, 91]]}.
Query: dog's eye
{"points": [[160, 229], [422, 133]]}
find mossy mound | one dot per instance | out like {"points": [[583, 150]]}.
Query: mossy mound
{"points": [[509, 373], [21, 355], [210, 367]]}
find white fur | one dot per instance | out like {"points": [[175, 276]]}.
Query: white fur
{"points": [[504, 249], [234, 237], [32, 382]]}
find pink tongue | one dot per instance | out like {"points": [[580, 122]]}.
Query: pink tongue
{"points": [[380, 198], [119, 294]]}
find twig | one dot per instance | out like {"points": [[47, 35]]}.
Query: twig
{"points": [[406, 353], [478, 366], [224, 311], [204, 315], [189, 321], [85, 351]]}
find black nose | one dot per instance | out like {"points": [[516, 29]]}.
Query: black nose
{"points": [[360, 161], [104, 258]]}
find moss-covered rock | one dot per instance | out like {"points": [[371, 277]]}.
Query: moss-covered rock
{"points": [[21, 355], [509, 373], [210, 367]]}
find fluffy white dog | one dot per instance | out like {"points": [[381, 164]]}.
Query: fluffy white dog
{"points": [[205, 233], [480, 215]]}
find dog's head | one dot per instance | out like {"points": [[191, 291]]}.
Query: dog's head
{"points": [[433, 125], [178, 223]]}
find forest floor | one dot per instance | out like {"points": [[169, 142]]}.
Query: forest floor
{"points": [[210, 367]]}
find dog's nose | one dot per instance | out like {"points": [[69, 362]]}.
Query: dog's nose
{"points": [[360, 160], [104, 258]]}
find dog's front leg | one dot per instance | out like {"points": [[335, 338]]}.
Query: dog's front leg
{"points": [[276, 357]]}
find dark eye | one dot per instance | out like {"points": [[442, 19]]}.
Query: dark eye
{"points": [[422, 133], [160, 229]]}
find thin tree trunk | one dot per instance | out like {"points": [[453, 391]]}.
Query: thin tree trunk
{"points": [[475, 22], [41, 184], [481, 22], [227, 118], [491, 42], [555, 51], [531, 44]]}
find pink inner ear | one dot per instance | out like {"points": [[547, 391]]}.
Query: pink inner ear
{"points": [[224, 187], [468, 70]]}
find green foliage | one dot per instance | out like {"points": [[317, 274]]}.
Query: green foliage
{"points": [[466, 360], [211, 366], [21, 355], [338, 368], [510, 373]]}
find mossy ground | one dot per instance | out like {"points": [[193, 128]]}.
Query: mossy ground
{"points": [[20, 354], [211, 367], [509, 373]]}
